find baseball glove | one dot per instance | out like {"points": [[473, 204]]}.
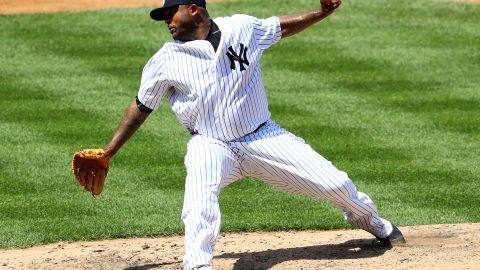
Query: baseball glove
{"points": [[90, 168]]}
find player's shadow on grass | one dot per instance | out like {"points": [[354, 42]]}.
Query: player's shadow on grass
{"points": [[353, 249]]}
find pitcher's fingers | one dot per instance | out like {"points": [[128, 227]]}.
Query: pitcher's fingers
{"points": [[101, 181]]}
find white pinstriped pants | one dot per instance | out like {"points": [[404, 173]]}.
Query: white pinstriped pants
{"points": [[275, 156]]}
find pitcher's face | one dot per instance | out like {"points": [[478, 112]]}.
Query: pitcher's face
{"points": [[180, 22]]}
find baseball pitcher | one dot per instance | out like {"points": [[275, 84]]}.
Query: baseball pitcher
{"points": [[210, 73]]}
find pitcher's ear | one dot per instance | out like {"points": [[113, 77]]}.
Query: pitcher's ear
{"points": [[193, 9]]}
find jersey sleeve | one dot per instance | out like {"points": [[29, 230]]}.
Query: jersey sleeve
{"points": [[153, 86], [267, 31]]}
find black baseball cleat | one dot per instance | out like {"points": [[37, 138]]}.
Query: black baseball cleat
{"points": [[394, 239]]}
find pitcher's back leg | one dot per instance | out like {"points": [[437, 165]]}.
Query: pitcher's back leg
{"points": [[287, 162]]}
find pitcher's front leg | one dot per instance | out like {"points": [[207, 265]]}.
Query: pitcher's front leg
{"points": [[209, 162]]}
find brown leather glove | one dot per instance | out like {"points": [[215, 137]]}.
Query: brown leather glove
{"points": [[90, 168]]}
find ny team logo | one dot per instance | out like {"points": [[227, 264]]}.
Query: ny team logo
{"points": [[241, 57]]}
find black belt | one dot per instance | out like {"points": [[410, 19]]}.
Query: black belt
{"points": [[257, 129]]}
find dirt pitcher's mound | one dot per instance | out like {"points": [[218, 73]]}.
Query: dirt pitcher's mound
{"points": [[429, 247]]}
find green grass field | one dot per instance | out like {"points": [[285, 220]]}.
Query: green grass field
{"points": [[387, 90]]}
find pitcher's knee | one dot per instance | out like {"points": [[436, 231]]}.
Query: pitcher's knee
{"points": [[201, 210], [341, 190]]}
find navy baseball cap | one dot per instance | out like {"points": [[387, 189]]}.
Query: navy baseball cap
{"points": [[158, 14]]}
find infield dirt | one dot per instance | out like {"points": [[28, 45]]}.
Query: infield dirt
{"points": [[28, 6], [430, 247], [435, 247]]}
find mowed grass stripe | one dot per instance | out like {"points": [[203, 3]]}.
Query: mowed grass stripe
{"points": [[388, 91]]}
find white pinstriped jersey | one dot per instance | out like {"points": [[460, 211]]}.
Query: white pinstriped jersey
{"points": [[217, 94]]}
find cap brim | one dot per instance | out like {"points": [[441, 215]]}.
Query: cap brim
{"points": [[158, 14]]}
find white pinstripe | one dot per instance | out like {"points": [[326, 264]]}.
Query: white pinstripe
{"points": [[223, 102]]}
